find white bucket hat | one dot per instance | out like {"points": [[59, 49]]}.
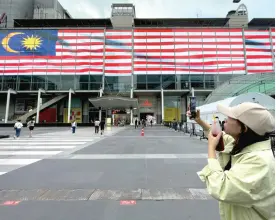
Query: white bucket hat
{"points": [[253, 115]]}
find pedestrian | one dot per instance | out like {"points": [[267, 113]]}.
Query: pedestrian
{"points": [[97, 124], [31, 125], [17, 126], [74, 126], [151, 123], [242, 178], [102, 126], [136, 123]]}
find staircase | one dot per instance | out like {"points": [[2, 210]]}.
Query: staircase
{"points": [[47, 104]]}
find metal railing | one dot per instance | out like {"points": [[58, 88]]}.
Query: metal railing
{"points": [[193, 129]]}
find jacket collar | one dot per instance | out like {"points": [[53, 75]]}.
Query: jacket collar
{"points": [[259, 146]]}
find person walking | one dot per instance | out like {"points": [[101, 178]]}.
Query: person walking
{"points": [[102, 126], [242, 176], [17, 126], [31, 125], [151, 122], [136, 123], [97, 124], [74, 126]]}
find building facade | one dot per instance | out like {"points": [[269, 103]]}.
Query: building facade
{"points": [[30, 9], [146, 63]]}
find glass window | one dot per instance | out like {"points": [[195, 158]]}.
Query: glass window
{"points": [[24, 82], [140, 82], [168, 81], [197, 80], [82, 82], [95, 82], [53, 82], [9, 82], [225, 77], [67, 82], [38, 82], [154, 81], [118, 83], [96, 78], [1, 82], [141, 78], [210, 81], [182, 81]]}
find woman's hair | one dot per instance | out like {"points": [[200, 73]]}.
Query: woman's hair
{"points": [[246, 138]]}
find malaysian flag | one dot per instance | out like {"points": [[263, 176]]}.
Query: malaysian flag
{"points": [[259, 46], [51, 52], [141, 51]]}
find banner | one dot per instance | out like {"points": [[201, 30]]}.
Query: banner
{"points": [[172, 113], [76, 113]]}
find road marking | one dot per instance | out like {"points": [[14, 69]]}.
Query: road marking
{"points": [[18, 161], [50, 140], [7, 153], [127, 202], [10, 203], [126, 195], [11, 143], [38, 147], [17, 153], [137, 156]]}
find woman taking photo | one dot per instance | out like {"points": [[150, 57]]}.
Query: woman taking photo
{"points": [[242, 177]]}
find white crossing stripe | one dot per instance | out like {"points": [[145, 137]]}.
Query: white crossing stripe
{"points": [[17, 142], [17, 161], [48, 147], [6, 153], [16, 153]]}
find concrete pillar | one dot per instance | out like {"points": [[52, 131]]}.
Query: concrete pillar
{"points": [[131, 110], [69, 105], [85, 111], [38, 104], [162, 105], [100, 111], [8, 105]]}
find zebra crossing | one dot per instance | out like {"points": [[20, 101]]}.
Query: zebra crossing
{"points": [[16, 153]]}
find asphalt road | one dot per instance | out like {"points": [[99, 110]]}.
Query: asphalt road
{"points": [[121, 175]]}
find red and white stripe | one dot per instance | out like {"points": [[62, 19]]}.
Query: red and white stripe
{"points": [[258, 60], [156, 51], [184, 51], [118, 60]]}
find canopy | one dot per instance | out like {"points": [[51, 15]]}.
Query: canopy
{"points": [[106, 102]]}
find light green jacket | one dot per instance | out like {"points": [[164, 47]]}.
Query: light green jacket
{"points": [[247, 190]]}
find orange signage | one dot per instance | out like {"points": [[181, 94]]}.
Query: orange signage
{"points": [[147, 103]]}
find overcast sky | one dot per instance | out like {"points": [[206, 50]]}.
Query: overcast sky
{"points": [[170, 8]]}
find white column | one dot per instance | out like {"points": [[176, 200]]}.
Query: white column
{"points": [[69, 106], [100, 111], [162, 104], [8, 105], [38, 106], [131, 110]]}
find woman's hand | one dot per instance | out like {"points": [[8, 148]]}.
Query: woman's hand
{"points": [[197, 118], [212, 144]]}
